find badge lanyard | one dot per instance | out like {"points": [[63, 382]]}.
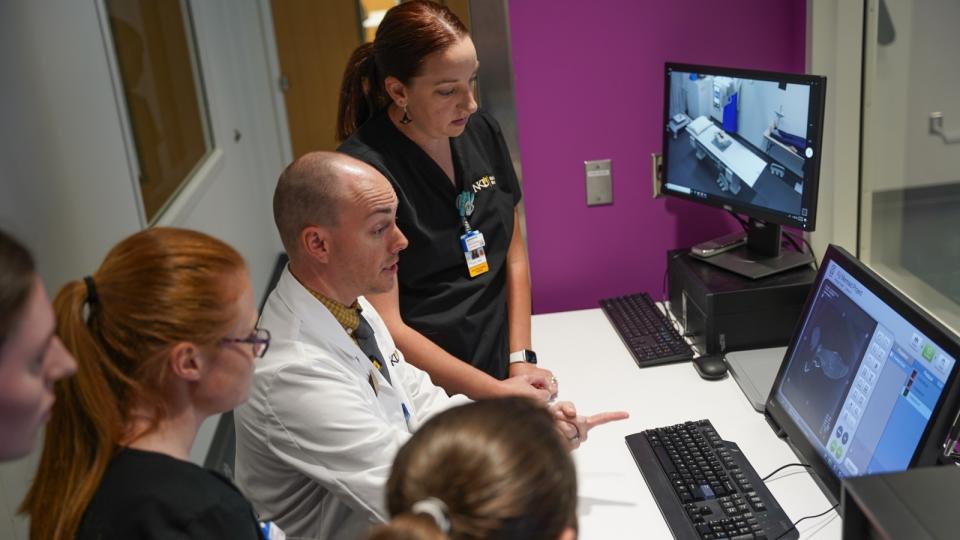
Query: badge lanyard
{"points": [[471, 241]]}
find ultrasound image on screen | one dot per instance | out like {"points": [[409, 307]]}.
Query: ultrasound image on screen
{"points": [[826, 358]]}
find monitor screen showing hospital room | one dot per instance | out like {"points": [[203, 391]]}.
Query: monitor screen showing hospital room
{"points": [[745, 140]]}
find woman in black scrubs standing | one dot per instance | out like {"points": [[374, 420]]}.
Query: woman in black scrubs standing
{"points": [[407, 108]]}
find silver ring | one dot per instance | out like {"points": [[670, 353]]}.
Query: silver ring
{"points": [[554, 379]]}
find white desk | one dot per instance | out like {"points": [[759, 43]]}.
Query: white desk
{"points": [[597, 373], [736, 158]]}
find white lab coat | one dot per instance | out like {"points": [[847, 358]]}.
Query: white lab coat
{"points": [[315, 442]]}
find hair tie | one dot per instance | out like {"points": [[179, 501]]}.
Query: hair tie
{"points": [[436, 509], [91, 290]]}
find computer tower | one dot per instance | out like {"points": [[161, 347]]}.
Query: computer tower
{"points": [[918, 504], [722, 311]]}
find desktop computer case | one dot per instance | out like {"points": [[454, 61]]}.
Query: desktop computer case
{"points": [[721, 311], [919, 504]]}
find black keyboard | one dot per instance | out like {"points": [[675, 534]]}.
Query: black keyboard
{"points": [[645, 330], [705, 487]]}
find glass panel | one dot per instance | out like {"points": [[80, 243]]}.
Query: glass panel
{"points": [[910, 191], [161, 84]]}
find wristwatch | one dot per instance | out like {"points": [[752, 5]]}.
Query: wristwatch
{"points": [[525, 355]]}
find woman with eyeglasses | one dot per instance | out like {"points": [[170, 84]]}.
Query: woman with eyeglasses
{"points": [[164, 334]]}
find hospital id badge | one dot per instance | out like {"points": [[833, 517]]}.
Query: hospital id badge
{"points": [[472, 244]]}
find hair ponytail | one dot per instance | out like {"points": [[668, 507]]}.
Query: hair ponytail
{"points": [[409, 526], [87, 422], [359, 94], [157, 288]]}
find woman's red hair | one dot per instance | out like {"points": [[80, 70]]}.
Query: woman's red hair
{"points": [[159, 287]]}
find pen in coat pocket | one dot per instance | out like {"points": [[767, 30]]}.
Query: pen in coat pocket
{"points": [[406, 416]]}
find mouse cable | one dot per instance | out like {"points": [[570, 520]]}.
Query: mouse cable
{"points": [[778, 469], [797, 522]]}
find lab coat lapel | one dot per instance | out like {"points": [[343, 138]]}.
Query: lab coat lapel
{"points": [[393, 358], [321, 327]]}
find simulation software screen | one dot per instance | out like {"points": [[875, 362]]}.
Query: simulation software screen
{"points": [[742, 141], [862, 382]]}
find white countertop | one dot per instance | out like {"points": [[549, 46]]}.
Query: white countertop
{"points": [[596, 372]]}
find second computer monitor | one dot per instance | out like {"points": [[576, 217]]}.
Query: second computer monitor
{"points": [[745, 140]]}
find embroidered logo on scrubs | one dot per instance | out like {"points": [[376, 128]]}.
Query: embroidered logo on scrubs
{"points": [[395, 358], [484, 183]]}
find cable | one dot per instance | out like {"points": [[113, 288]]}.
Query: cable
{"points": [[666, 300], [778, 469], [816, 266], [793, 241], [743, 222], [797, 522], [663, 293]]}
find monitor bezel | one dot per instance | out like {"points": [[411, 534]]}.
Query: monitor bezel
{"points": [[929, 447], [818, 87]]}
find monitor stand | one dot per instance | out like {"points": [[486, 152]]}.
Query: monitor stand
{"points": [[761, 256]]}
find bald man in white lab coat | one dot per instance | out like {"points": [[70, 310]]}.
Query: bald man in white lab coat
{"points": [[333, 398]]}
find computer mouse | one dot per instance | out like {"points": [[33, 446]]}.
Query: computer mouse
{"points": [[710, 367]]}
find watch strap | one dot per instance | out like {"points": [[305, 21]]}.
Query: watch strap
{"points": [[525, 355]]}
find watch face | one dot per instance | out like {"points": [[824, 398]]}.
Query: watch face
{"points": [[531, 356]]}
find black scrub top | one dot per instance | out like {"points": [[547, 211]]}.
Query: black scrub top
{"points": [[147, 495], [465, 316]]}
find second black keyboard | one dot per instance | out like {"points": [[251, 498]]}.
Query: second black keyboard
{"points": [[645, 330], [705, 487]]}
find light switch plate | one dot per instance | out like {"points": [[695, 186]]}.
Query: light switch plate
{"points": [[599, 180], [656, 171]]}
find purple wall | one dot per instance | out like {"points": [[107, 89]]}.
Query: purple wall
{"points": [[589, 85]]}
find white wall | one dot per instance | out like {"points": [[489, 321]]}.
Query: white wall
{"points": [[834, 44], [66, 188], [66, 183]]}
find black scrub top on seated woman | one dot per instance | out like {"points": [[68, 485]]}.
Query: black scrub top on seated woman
{"points": [[153, 496], [465, 316]]}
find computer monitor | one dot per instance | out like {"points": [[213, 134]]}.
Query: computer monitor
{"points": [[869, 381], [747, 141]]}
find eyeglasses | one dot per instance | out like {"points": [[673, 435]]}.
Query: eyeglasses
{"points": [[260, 339]]}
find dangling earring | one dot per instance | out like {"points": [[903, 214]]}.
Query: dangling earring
{"points": [[406, 118]]}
